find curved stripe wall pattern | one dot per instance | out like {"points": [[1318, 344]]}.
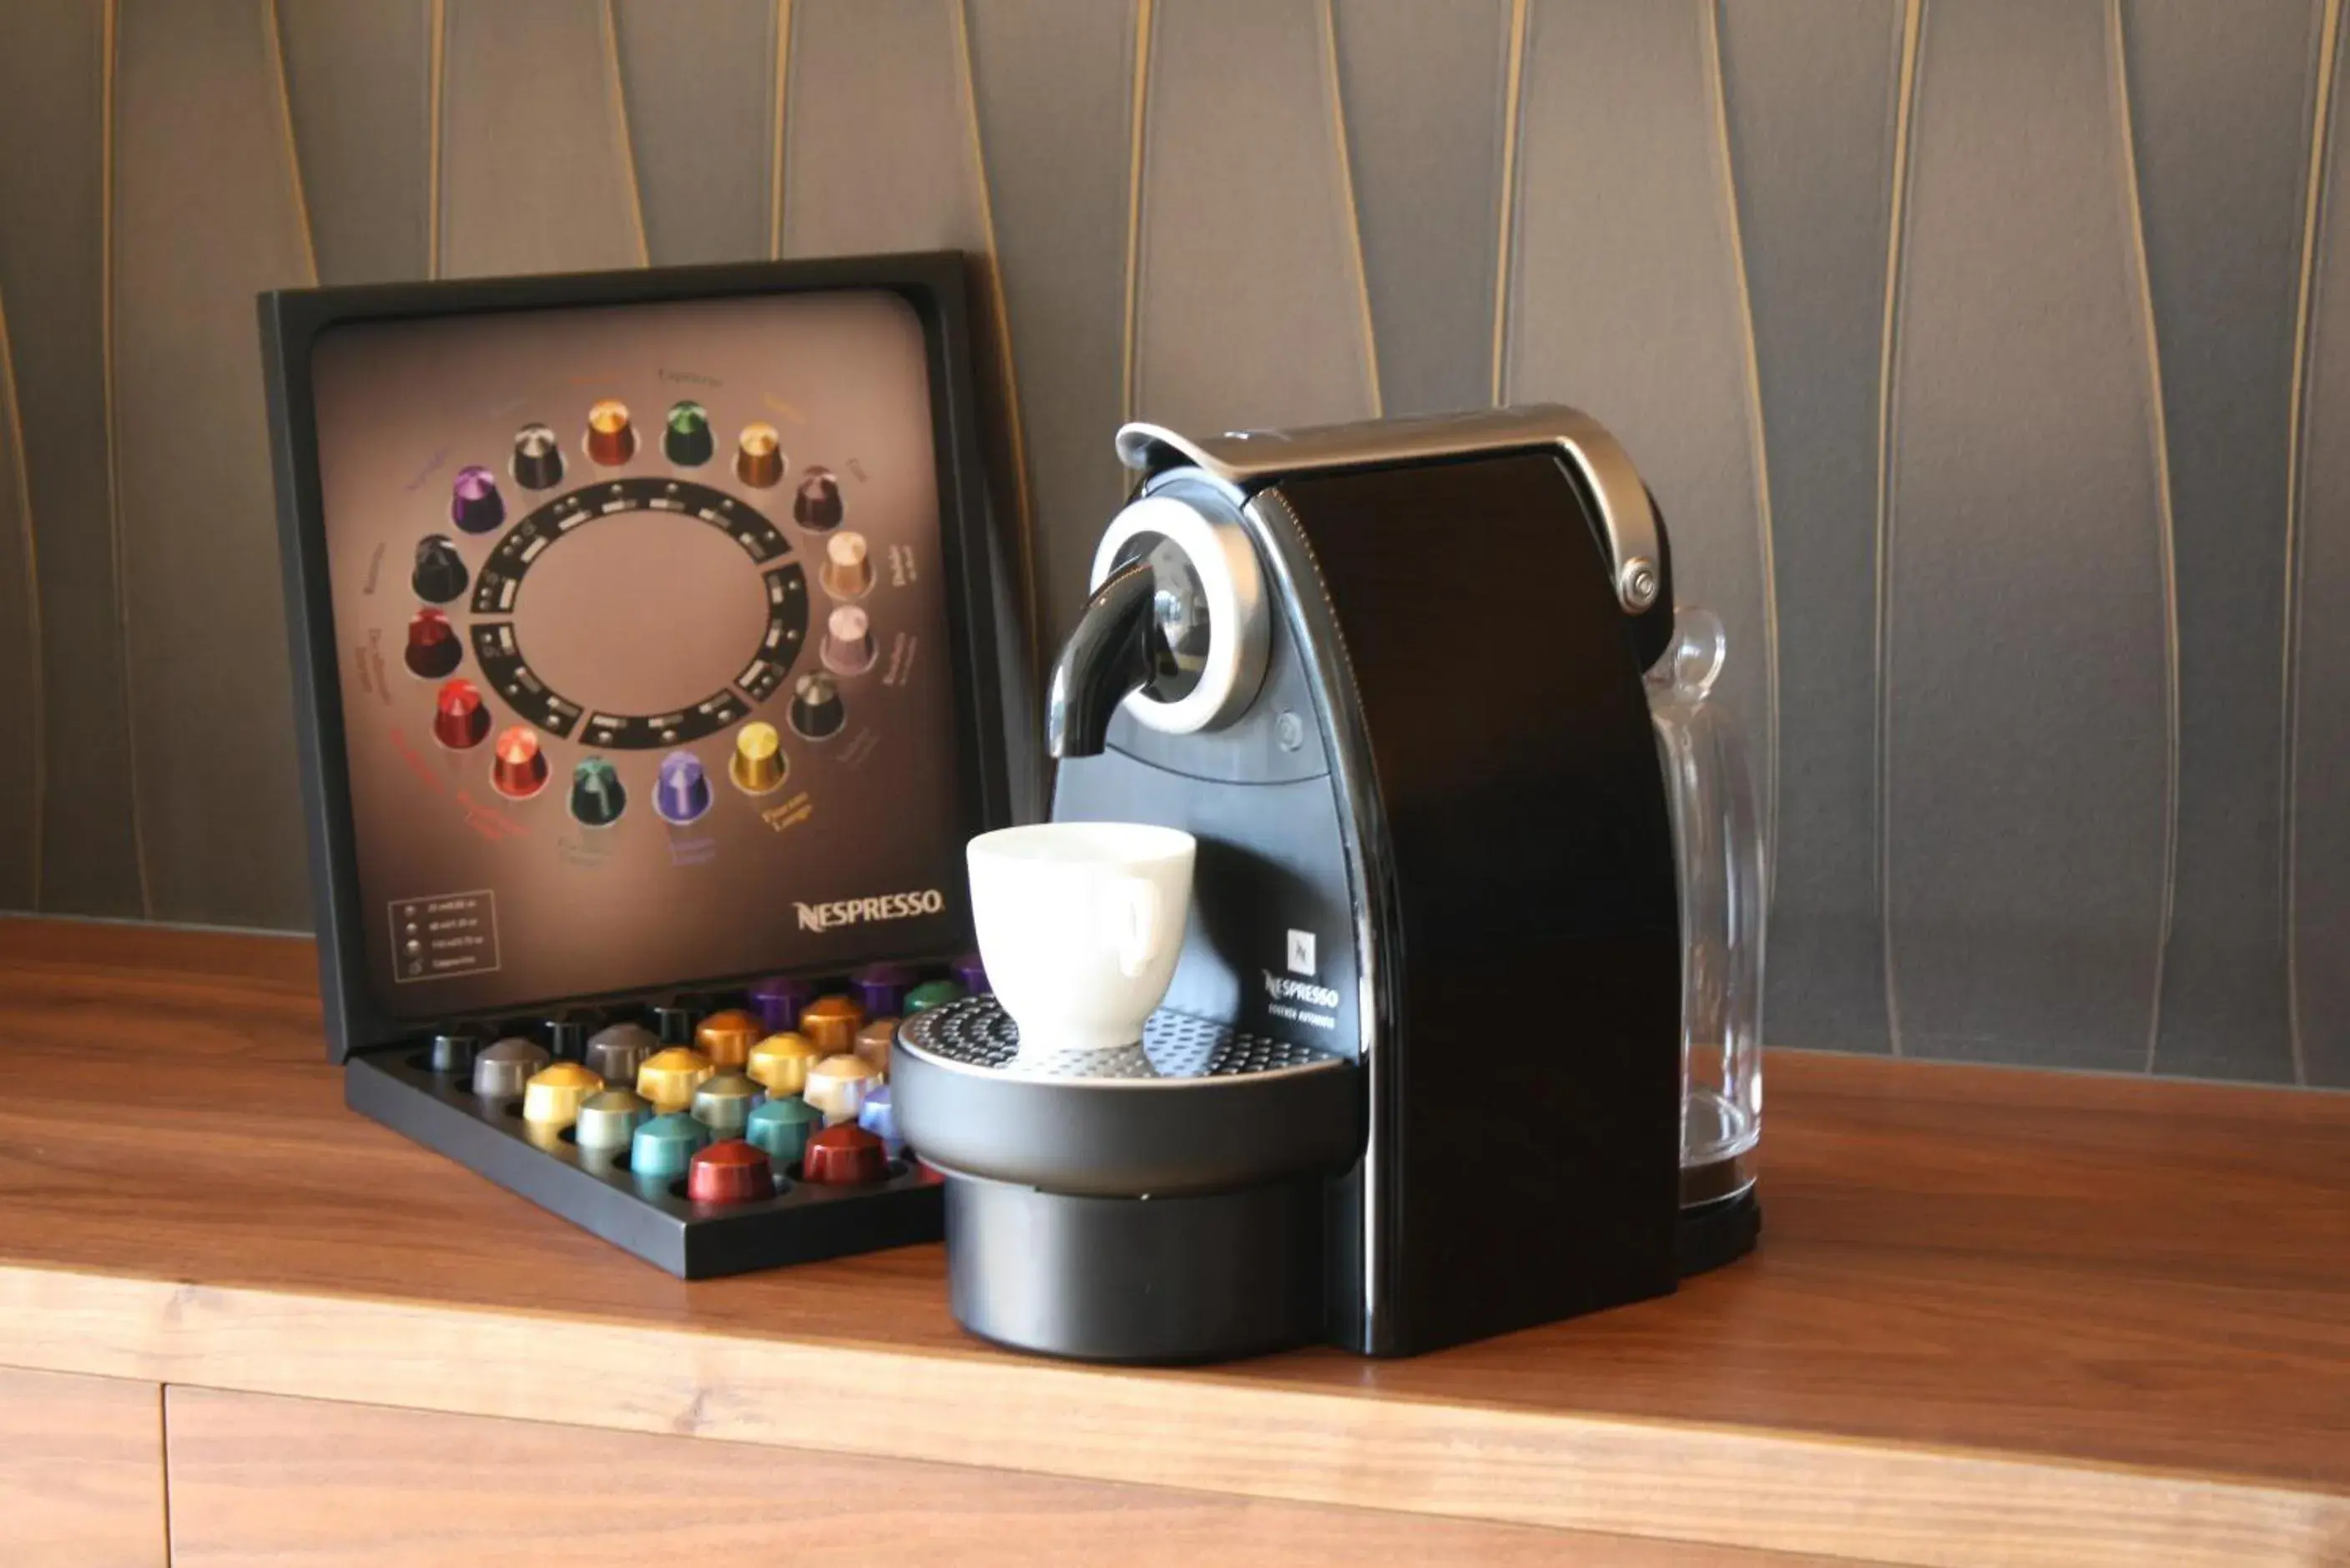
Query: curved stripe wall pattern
{"points": [[1990, 360]]}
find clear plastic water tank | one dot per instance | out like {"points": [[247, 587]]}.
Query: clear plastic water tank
{"points": [[1717, 842]]}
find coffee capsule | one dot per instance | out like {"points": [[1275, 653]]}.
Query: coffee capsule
{"points": [[880, 988], [669, 1076], [780, 1063], [618, 1052], [874, 1041], [563, 1039], [726, 1037], [845, 1156], [832, 1022], [730, 1171], [778, 998], [837, 1087], [878, 1117], [664, 1146], [783, 1128], [609, 1119], [454, 1054], [725, 1103], [504, 1070], [553, 1097], [931, 993]]}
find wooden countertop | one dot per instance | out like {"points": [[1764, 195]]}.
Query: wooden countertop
{"points": [[1998, 1316]]}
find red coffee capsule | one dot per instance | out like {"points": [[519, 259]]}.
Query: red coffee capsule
{"points": [[520, 771], [845, 1156], [459, 720], [730, 1171], [433, 649]]}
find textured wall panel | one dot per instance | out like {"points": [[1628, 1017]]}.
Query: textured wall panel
{"points": [[877, 152], [1249, 307], [2027, 763], [20, 660], [1053, 80], [2221, 104], [534, 160], [358, 74], [52, 249], [698, 78], [2318, 657], [1627, 299], [882, 153], [1424, 81], [1812, 88], [206, 212]]}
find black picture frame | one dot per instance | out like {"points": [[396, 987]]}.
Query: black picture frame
{"points": [[938, 286]]}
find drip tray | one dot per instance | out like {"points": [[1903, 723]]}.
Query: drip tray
{"points": [[1175, 1045], [1197, 1107]]}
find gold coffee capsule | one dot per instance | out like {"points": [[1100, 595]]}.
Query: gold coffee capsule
{"points": [[553, 1095], [668, 1078], [780, 1063]]}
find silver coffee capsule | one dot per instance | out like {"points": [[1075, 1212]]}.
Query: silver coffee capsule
{"points": [[724, 1105], [615, 1053], [501, 1072], [609, 1119]]}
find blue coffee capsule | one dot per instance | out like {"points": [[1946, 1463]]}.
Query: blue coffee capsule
{"points": [[879, 1118], [665, 1145]]}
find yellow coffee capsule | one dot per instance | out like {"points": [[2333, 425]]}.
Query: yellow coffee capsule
{"points": [[780, 1063], [758, 765], [552, 1095], [837, 1087], [726, 1038], [668, 1078]]}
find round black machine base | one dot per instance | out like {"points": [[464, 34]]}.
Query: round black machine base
{"points": [[1712, 1234], [1148, 1279]]}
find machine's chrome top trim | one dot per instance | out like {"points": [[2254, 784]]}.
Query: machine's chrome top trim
{"points": [[1177, 1050], [1249, 460]]}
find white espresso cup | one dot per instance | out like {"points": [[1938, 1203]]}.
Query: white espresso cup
{"points": [[1080, 924]]}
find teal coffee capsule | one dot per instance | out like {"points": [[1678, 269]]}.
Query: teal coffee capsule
{"points": [[783, 1128], [666, 1145]]}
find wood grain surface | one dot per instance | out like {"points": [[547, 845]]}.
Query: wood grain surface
{"points": [[259, 1480], [1998, 1316], [81, 1471]]}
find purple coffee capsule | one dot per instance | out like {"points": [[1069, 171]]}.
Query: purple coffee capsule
{"points": [[880, 988], [474, 504], [972, 975], [777, 1000]]}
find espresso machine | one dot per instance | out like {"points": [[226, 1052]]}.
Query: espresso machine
{"points": [[1418, 1076]]}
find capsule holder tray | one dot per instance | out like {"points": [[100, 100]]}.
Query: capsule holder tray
{"points": [[649, 1217]]}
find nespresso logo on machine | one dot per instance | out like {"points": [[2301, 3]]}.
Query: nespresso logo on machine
{"points": [[1282, 987], [860, 911]]}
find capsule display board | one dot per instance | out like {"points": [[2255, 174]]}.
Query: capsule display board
{"points": [[645, 649]]}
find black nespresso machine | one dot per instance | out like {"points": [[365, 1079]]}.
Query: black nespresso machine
{"points": [[1417, 1078]]}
